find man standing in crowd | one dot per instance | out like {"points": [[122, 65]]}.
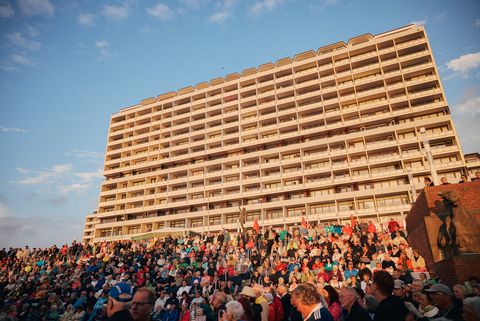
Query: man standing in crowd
{"points": [[352, 309], [442, 298], [307, 300], [285, 298], [119, 298], [390, 307], [142, 304]]}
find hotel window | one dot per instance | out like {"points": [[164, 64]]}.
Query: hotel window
{"points": [[105, 233], [197, 196], [291, 156], [273, 185], [292, 169], [446, 160], [250, 217], [321, 192], [293, 182], [134, 229], [231, 218], [177, 224], [274, 214], [296, 211], [392, 201], [323, 208], [346, 206], [254, 201], [138, 183], [366, 204], [196, 222]]}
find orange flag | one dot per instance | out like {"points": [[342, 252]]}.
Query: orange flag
{"points": [[304, 223], [255, 226]]}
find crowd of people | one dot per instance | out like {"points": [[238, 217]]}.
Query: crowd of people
{"points": [[356, 271]]}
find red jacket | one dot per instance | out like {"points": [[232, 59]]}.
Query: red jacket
{"points": [[277, 305]]}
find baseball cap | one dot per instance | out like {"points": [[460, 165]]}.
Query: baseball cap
{"points": [[122, 292], [439, 287], [398, 284]]}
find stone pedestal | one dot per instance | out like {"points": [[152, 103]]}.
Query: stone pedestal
{"points": [[457, 269]]}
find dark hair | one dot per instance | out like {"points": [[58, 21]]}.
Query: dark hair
{"points": [[384, 282], [427, 179], [332, 294], [247, 308], [360, 293]]}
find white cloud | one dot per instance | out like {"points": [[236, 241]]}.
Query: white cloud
{"points": [[160, 11], [263, 6], [464, 64], [104, 49], [22, 170], [12, 130], [59, 179], [32, 32], [471, 107], [116, 13], [89, 176], [102, 44], [20, 59], [477, 23], [225, 12], [47, 176], [86, 19], [420, 22], [79, 153], [323, 4], [194, 4], [6, 10], [219, 17], [75, 187], [16, 38], [36, 7]]}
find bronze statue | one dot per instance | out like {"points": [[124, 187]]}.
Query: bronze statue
{"points": [[460, 230]]}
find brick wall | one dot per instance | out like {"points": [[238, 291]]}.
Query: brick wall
{"points": [[458, 269], [423, 223]]}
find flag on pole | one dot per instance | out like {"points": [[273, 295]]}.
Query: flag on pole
{"points": [[255, 226]]}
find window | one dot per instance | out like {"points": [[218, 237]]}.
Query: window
{"points": [[250, 217], [274, 214], [177, 224], [231, 218], [346, 206], [295, 211], [392, 201], [134, 229], [366, 204], [196, 222], [215, 220]]}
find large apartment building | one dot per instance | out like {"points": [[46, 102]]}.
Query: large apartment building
{"points": [[325, 135]]}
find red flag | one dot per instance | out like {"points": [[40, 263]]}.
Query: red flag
{"points": [[304, 223], [255, 226]]}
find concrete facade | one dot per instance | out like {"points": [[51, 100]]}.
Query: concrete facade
{"points": [[327, 134]]}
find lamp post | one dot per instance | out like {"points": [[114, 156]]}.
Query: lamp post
{"points": [[428, 151], [412, 184]]}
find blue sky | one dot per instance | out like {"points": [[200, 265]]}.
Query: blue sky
{"points": [[66, 66]]}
